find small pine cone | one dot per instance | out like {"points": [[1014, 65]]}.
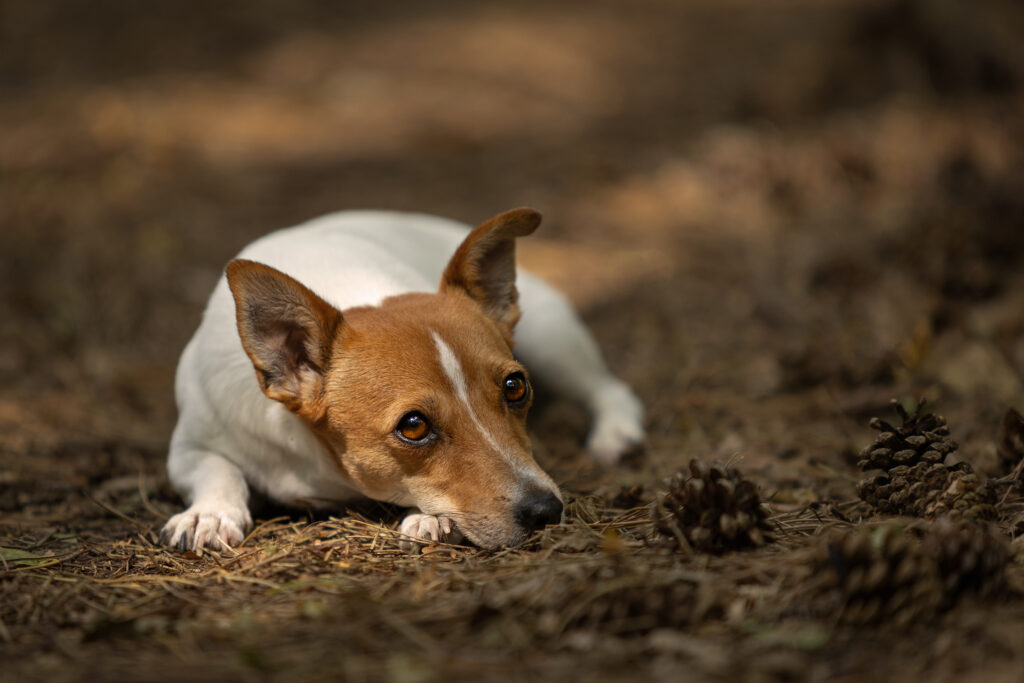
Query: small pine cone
{"points": [[923, 437], [711, 509], [917, 481], [970, 558], [877, 576]]}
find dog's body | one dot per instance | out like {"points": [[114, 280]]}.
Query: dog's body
{"points": [[354, 362]]}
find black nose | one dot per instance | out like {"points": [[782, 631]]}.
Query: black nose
{"points": [[538, 508]]}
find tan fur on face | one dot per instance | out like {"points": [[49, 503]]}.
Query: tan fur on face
{"points": [[386, 365]]}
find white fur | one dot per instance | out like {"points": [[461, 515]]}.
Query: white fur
{"points": [[230, 436], [428, 528]]}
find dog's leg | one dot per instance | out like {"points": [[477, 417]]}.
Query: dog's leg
{"points": [[552, 342], [218, 513]]}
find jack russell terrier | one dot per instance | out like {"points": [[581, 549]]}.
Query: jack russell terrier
{"points": [[368, 383]]}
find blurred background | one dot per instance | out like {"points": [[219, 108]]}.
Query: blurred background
{"points": [[776, 216]]}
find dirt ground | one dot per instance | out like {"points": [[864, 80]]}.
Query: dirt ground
{"points": [[776, 217]]}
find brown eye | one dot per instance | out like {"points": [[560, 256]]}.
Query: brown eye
{"points": [[413, 427], [514, 387]]}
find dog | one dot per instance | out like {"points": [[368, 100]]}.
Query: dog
{"points": [[329, 366]]}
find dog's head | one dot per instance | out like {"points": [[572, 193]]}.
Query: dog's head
{"points": [[420, 400]]}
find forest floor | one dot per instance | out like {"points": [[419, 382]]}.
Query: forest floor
{"points": [[776, 217]]}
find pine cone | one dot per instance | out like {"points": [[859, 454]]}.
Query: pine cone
{"points": [[922, 438], [711, 509], [878, 576], [916, 480], [970, 558]]}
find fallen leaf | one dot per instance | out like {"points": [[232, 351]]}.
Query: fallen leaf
{"points": [[23, 557]]}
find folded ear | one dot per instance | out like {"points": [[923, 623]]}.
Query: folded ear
{"points": [[287, 332], [484, 265]]}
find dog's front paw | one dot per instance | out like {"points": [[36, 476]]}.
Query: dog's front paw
{"points": [[217, 527], [618, 426], [427, 528]]}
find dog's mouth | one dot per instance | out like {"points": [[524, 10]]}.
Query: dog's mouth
{"points": [[487, 534]]}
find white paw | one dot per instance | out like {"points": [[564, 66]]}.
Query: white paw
{"points": [[618, 424], [427, 528], [218, 527]]}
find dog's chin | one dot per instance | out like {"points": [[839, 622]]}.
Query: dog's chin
{"points": [[494, 539]]}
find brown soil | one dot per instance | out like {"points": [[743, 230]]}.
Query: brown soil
{"points": [[775, 216]]}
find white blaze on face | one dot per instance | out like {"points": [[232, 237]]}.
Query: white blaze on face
{"points": [[453, 370]]}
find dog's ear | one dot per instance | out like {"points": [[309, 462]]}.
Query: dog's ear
{"points": [[484, 266], [287, 332]]}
